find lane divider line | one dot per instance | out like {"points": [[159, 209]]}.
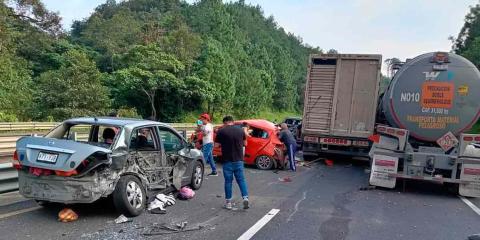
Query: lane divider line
{"points": [[11, 214], [258, 225], [470, 204]]}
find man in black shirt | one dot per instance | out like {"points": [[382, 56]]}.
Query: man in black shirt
{"points": [[287, 138], [231, 140]]}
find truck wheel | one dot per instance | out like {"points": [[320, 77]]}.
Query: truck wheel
{"points": [[197, 176], [452, 188], [129, 196], [264, 162]]}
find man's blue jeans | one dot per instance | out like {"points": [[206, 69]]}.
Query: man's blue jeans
{"points": [[207, 150], [231, 169]]}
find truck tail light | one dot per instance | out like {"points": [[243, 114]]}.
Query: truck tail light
{"points": [[401, 133], [374, 138], [477, 139], [468, 139], [16, 162]]}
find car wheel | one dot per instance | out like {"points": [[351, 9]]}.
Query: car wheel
{"points": [[129, 196], [264, 162], [197, 176]]}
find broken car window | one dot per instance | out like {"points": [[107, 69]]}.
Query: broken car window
{"points": [[257, 133], [78, 133], [143, 139], [171, 142]]}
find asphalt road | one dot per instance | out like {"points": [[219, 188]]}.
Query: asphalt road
{"points": [[320, 202]]}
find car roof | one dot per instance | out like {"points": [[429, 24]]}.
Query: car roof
{"points": [[114, 121], [293, 118], [260, 123]]}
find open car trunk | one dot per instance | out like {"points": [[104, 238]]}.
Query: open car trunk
{"points": [[55, 154]]}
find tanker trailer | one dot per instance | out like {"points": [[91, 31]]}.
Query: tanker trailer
{"points": [[422, 120]]}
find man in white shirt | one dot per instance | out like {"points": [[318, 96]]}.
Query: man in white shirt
{"points": [[207, 139]]}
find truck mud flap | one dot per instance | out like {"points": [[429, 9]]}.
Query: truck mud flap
{"points": [[382, 168], [471, 175]]}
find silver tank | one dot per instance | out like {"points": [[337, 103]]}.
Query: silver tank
{"points": [[433, 94]]}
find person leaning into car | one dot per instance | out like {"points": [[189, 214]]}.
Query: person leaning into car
{"points": [[231, 139]]}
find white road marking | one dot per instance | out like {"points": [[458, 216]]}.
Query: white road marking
{"points": [[258, 225], [10, 214], [296, 206], [470, 204]]}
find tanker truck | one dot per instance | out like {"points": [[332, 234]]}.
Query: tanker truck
{"points": [[422, 123], [417, 129]]}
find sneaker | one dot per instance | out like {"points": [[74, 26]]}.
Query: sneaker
{"points": [[228, 205], [214, 174], [245, 203]]}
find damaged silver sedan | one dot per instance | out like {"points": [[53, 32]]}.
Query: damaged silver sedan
{"points": [[85, 159]]}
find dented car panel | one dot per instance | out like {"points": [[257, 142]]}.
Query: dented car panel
{"points": [[139, 149], [69, 154]]}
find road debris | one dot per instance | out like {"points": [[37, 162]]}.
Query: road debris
{"points": [[122, 219], [67, 215], [285, 179], [170, 229], [157, 206], [474, 237], [329, 162], [186, 193], [367, 188]]}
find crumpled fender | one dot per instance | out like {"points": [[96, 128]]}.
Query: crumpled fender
{"points": [[70, 153]]}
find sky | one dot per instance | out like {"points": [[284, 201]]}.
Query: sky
{"points": [[393, 28]]}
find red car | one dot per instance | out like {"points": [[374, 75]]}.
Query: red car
{"points": [[263, 149]]}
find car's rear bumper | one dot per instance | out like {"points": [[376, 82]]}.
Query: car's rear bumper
{"points": [[64, 189]]}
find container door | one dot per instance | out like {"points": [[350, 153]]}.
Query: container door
{"points": [[356, 97], [320, 89]]}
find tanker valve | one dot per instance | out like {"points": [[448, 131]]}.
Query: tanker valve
{"points": [[430, 164]]}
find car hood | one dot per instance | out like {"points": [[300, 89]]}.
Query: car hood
{"points": [[70, 153]]}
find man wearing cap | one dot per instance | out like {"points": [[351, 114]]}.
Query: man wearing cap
{"points": [[207, 139]]}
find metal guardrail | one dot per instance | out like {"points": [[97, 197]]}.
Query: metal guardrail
{"points": [[9, 134], [8, 178]]}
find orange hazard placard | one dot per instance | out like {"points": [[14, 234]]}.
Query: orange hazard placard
{"points": [[437, 94]]}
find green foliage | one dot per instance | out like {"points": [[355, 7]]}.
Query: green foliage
{"points": [[161, 58], [8, 117], [128, 112], [74, 89]]}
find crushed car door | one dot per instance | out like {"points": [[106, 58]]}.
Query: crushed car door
{"points": [[173, 144], [145, 151]]}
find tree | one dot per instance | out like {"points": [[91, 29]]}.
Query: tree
{"points": [[149, 70], [75, 89], [214, 68], [35, 13]]}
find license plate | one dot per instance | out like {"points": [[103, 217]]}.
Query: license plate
{"points": [[47, 157], [335, 141]]}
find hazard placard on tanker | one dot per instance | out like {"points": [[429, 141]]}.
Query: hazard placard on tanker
{"points": [[431, 96], [437, 94]]}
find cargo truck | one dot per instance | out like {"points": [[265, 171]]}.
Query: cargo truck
{"points": [[422, 124], [340, 103]]}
